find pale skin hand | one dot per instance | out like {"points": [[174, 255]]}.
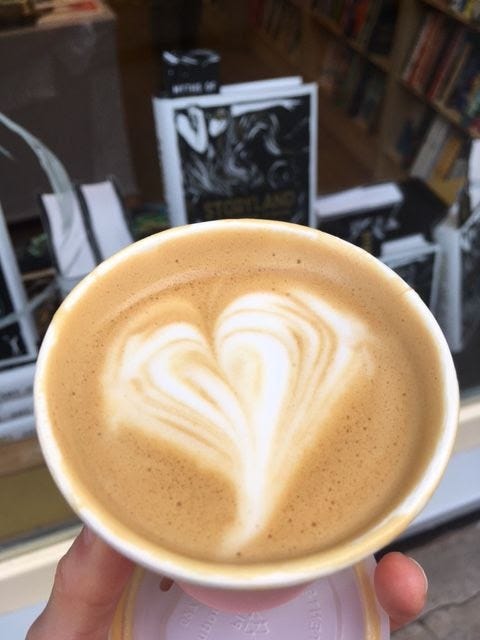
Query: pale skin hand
{"points": [[90, 579]]}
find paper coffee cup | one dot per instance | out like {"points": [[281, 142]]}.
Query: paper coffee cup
{"points": [[261, 575], [340, 607]]}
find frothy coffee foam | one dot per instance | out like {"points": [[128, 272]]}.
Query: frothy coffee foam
{"points": [[239, 394], [226, 398]]}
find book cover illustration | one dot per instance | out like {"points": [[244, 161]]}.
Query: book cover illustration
{"points": [[12, 342], [420, 272], [368, 230], [238, 156], [17, 330]]}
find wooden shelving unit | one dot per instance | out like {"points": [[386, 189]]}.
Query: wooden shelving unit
{"points": [[374, 150], [451, 13], [379, 61]]}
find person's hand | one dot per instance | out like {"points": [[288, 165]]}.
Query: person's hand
{"points": [[90, 579], [401, 587]]}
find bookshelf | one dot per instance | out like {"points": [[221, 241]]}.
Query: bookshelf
{"points": [[440, 5], [384, 124]]}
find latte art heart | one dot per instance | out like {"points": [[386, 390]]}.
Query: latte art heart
{"points": [[245, 397]]}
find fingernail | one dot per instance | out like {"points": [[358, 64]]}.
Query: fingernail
{"points": [[422, 570]]}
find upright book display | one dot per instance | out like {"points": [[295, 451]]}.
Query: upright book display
{"points": [[459, 306], [247, 152], [18, 336], [459, 236]]}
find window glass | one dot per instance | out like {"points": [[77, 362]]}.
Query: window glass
{"points": [[396, 106]]}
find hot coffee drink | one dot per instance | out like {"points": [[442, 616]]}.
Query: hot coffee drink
{"points": [[243, 392]]}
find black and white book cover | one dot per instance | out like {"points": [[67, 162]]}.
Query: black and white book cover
{"points": [[16, 401], [18, 335], [416, 261], [364, 216], [248, 152], [459, 304]]}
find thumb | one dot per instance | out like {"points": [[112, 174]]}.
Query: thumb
{"points": [[89, 581]]}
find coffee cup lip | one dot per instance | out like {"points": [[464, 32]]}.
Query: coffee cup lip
{"points": [[256, 575]]}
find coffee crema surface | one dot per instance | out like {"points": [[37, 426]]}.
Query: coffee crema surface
{"points": [[243, 395]]}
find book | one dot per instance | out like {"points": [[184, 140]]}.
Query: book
{"points": [[467, 83], [351, 82], [427, 154], [435, 38], [446, 62], [281, 21], [373, 92], [18, 333], [472, 108], [417, 262], [441, 180], [335, 65], [459, 304], [381, 39], [428, 62], [457, 70], [358, 199], [416, 122], [16, 401], [249, 151], [370, 216], [447, 156], [359, 15], [365, 33], [421, 40]]}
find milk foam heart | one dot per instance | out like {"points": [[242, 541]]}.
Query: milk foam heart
{"points": [[245, 397]]}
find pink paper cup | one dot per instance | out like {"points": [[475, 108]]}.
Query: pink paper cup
{"points": [[241, 601], [340, 607]]}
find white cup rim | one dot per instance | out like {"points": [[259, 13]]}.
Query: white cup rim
{"points": [[259, 575]]}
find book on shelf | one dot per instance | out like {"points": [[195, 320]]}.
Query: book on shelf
{"points": [[435, 34], [365, 33], [421, 39], [469, 9], [463, 98], [281, 21], [335, 66], [432, 144], [354, 17], [456, 72], [440, 160], [383, 30], [351, 79], [372, 92], [369, 23], [249, 151], [449, 174], [447, 63], [413, 127], [444, 65]]}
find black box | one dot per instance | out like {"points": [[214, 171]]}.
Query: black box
{"points": [[190, 73]]}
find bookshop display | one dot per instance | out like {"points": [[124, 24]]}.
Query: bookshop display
{"points": [[248, 151], [392, 86], [17, 330], [399, 82]]}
